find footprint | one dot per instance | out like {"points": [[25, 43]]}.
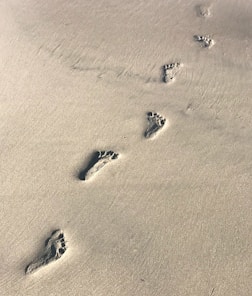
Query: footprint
{"points": [[188, 110], [156, 123], [98, 161], [205, 40], [170, 71], [203, 10], [55, 247]]}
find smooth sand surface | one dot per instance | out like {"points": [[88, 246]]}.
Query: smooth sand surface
{"points": [[172, 215]]}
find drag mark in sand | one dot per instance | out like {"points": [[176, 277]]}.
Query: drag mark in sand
{"points": [[156, 123], [97, 162], [55, 247]]}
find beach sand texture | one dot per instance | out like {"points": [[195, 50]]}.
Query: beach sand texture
{"points": [[171, 215]]}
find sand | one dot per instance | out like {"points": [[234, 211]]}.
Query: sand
{"points": [[171, 215]]}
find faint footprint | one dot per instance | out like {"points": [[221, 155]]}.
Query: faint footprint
{"points": [[98, 161], [170, 71], [55, 247], [156, 122], [205, 40], [203, 10], [188, 110]]}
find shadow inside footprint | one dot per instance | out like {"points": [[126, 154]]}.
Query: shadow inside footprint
{"points": [[93, 160]]}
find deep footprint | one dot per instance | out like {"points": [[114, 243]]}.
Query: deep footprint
{"points": [[170, 71], [206, 41], [97, 162], [55, 247], [156, 123]]}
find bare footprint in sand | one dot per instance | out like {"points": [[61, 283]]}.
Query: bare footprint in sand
{"points": [[97, 162], [203, 10], [170, 71], [55, 247], [206, 41], [156, 123]]}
